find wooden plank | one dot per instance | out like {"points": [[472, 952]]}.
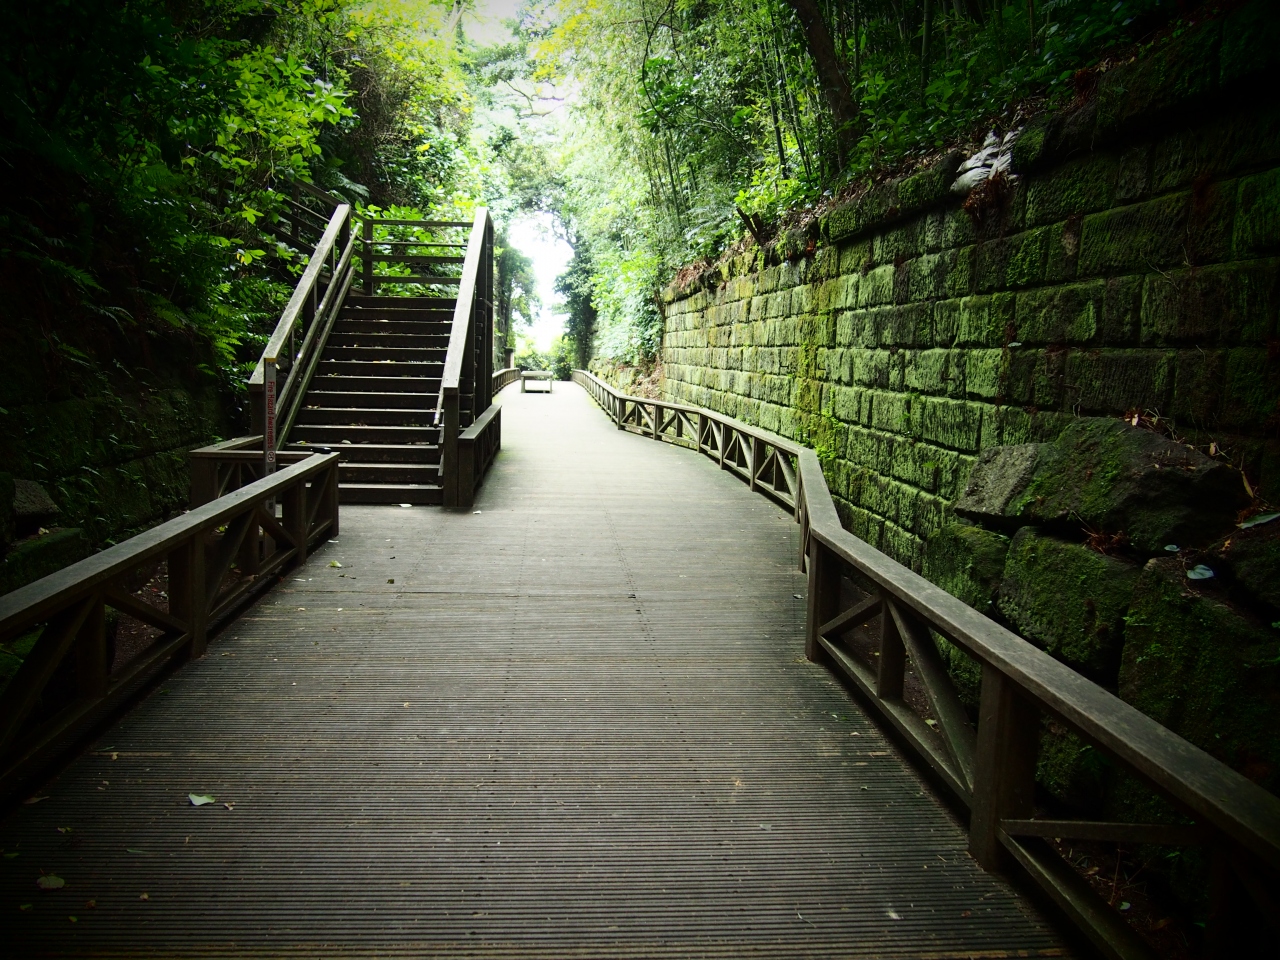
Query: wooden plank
{"points": [[1159, 833]]}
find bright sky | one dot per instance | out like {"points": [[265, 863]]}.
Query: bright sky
{"points": [[532, 235]]}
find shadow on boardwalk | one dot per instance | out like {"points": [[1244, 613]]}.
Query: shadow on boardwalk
{"points": [[577, 722]]}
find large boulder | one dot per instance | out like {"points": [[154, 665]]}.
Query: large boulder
{"points": [[1068, 600], [1205, 669], [33, 508], [1252, 558], [1109, 477]]}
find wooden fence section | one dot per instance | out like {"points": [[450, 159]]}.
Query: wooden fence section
{"points": [[219, 557], [505, 376], [765, 461], [990, 765]]}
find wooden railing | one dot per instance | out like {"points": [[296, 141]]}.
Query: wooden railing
{"points": [[765, 461], [299, 337], [219, 556], [468, 364], [990, 765], [412, 257], [505, 376], [305, 211]]}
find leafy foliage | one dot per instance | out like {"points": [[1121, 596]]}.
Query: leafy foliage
{"points": [[691, 116]]}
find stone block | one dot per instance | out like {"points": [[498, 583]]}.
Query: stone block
{"points": [[1257, 227], [956, 424], [1221, 147], [935, 372], [1012, 262], [1068, 600], [1133, 181], [961, 280], [890, 412], [869, 368], [1251, 394], [876, 287], [1084, 185], [1197, 387], [1135, 239], [986, 321], [1233, 303], [1115, 382], [986, 373], [1064, 314], [1062, 250]]}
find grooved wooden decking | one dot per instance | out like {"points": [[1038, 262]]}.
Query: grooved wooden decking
{"points": [[578, 724]]}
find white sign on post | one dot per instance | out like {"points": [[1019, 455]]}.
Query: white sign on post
{"points": [[269, 428]]}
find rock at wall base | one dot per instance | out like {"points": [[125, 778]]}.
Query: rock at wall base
{"points": [[1105, 475], [40, 556], [1068, 600], [1205, 670]]}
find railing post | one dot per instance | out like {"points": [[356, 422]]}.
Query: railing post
{"points": [[891, 670], [92, 667], [187, 600], [824, 596], [1005, 765], [366, 256], [467, 472], [657, 419], [449, 450], [757, 453], [702, 430], [294, 508], [330, 508]]}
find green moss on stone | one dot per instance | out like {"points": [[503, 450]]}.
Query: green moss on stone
{"points": [[1068, 600], [1205, 671]]}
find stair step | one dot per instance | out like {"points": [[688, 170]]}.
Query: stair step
{"points": [[370, 416], [435, 354], [401, 473], [407, 386], [335, 399], [332, 434], [370, 335], [375, 368], [423, 453], [416, 326], [358, 301], [422, 494]]}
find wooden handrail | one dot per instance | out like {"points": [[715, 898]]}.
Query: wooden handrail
{"points": [[990, 769], [461, 357], [310, 277]]}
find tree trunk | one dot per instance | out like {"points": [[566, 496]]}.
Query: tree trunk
{"points": [[835, 87]]}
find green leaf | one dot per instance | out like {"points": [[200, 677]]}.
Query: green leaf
{"points": [[1259, 519], [1200, 572], [50, 882], [199, 799]]}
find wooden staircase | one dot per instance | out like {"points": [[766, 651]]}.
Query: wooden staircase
{"points": [[374, 398]]}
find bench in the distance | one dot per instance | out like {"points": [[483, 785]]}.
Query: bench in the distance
{"points": [[536, 376]]}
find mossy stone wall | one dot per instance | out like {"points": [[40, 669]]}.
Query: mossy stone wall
{"points": [[1133, 265]]}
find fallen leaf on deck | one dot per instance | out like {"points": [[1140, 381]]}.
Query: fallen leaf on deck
{"points": [[199, 799], [143, 896], [50, 882], [335, 563], [31, 800]]}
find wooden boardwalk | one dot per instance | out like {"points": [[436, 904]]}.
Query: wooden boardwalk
{"points": [[577, 723]]}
